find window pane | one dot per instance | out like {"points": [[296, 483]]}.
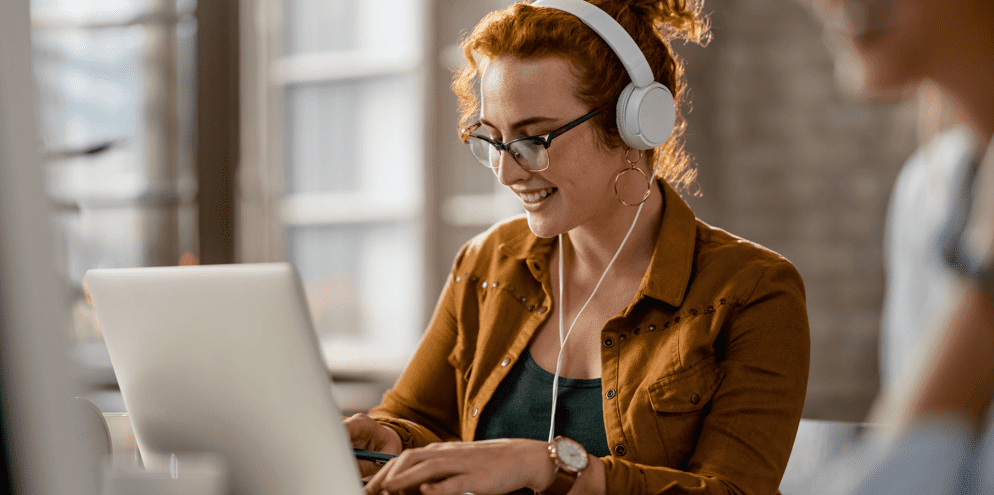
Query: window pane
{"points": [[91, 87], [339, 25], [328, 25], [361, 280], [94, 10], [355, 135], [322, 138]]}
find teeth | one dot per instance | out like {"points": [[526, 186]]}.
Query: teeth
{"points": [[537, 196]]}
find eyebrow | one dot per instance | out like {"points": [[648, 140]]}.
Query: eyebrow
{"points": [[522, 123]]}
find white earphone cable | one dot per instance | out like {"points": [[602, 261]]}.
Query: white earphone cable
{"points": [[562, 338]]}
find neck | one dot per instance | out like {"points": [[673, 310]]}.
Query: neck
{"points": [[965, 74], [592, 246]]}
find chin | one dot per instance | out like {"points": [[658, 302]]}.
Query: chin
{"points": [[872, 75], [542, 227]]}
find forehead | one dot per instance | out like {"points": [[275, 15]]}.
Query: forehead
{"points": [[512, 89]]}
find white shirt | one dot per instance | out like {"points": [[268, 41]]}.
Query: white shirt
{"points": [[918, 277]]}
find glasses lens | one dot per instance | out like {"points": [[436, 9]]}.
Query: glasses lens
{"points": [[530, 154], [481, 149]]}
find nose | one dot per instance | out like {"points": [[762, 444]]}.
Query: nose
{"points": [[508, 171]]}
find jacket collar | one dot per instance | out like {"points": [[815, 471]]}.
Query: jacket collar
{"points": [[672, 259]]}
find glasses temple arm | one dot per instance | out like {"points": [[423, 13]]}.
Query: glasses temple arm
{"points": [[554, 134]]}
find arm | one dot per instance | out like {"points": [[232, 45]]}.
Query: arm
{"points": [[746, 438], [955, 377], [933, 414], [422, 407], [957, 382]]}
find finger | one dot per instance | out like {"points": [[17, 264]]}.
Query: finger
{"points": [[358, 425], [397, 465], [429, 470], [368, 468], [455, 485], [375, 484]]}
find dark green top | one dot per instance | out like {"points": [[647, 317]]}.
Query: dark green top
{"points": [[521, 406]]}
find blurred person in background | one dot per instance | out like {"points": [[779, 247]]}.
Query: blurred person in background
{"points": [[684, 372], [938, 326]]}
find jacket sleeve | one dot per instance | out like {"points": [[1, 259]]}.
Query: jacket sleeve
{"points": [[745, 440], [422, 407]]}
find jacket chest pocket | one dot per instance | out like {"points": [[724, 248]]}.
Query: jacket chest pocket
{"points": [[680, 403]]}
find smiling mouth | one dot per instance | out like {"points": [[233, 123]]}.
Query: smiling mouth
{"points": [[537, 196]]}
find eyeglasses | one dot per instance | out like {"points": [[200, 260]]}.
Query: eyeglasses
{"points": [[531, 152]]}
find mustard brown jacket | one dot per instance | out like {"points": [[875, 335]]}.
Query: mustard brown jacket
{"points": [[704, 372]]}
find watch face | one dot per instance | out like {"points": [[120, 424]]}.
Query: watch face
{"points": [[571, 454]]}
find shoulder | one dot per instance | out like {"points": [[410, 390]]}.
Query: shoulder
{"points": [[724, 258], [714, 244], [509, 238]]}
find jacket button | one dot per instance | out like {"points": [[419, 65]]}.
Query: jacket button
{"points": [[694, 399], [485, 285], [665, 325], [693, 312], [506, 361], [510, 289], [523, 299], [494, 285], [609, 342], [638, 330], [476, 410], [622, 337], [610, 394], [676, 320], [542, 310], [620, 450], [738, 303], [721, 301], [710, 309], [531, 308], [652, 327], [458, 278]]}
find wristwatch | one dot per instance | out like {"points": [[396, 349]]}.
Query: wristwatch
{"points": [[571, 459]]}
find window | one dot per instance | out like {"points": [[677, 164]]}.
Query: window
{"points": [[352, 79], [114, 82]]}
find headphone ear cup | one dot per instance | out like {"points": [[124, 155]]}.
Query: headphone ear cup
{"points": [[621, 118], [645, 116]]}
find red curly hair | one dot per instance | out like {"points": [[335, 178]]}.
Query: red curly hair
{"points": [[524, 31]]}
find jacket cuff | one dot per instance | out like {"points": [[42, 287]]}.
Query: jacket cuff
{"points": [[411, 434]]}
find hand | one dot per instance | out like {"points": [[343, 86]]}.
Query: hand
{"points": [[367, 434], [453, 468]]}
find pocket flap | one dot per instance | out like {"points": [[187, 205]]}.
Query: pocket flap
{"points": [[688, 390], [459, 364]]}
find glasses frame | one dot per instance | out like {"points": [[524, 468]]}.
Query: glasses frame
{"points": [[544, 139]]}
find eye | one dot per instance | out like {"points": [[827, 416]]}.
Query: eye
{"points": [[488, 133]]}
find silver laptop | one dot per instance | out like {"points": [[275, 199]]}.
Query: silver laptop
{"points": [[223, 359]]}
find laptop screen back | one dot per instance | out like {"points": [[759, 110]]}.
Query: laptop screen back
{"points": [[224, 359]]}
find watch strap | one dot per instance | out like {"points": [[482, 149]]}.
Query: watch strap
{"points": [[561, 484]]}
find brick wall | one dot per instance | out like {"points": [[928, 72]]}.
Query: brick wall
{"points": [[785, 160]]}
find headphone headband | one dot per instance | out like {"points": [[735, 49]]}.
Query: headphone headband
{"points": [[611, 32], [646, 112]]}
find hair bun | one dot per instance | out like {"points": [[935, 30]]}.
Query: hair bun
{"points": [[671, 18]]}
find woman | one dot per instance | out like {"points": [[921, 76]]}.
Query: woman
{"points": [[683, 365]]}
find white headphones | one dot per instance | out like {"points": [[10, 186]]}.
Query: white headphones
{"points": [[646, 112]]}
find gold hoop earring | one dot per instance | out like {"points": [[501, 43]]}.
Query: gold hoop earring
{"points": [[632, 163]]}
